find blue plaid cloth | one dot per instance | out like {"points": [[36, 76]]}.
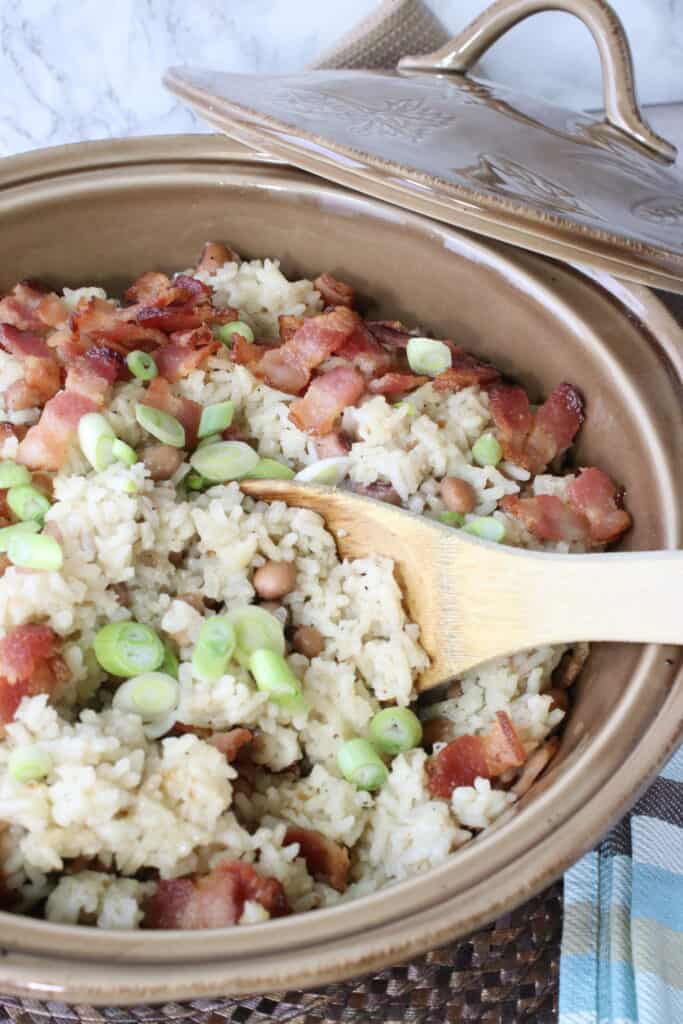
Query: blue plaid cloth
{"points": [[622, 940]]}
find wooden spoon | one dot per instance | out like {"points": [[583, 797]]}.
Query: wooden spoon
{"points": [[474, 600]]}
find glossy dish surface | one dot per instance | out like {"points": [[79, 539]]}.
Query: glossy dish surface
{"points": [[620, 729]]}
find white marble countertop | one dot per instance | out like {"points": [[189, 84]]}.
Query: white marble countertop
{"points": [[92, 69]]}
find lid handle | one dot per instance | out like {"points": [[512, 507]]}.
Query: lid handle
{"points": [[621, 105]]}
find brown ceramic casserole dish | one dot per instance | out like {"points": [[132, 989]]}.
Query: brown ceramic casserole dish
{"points": [[105, 212]]}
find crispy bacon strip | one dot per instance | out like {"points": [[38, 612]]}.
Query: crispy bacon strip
{"points": [[30, 308], [333, 291], [100, 321], [215, 255], [47, 444], [215, 900], [326, 860], [364, 352], [548, 517], [512, 416], [327, 397], [465, 371], [555, 426], [391, 333], [332, 445], [396, 383], [42, 375], [30, 664], [288, 367], [185, 352], [230, 743], [467, 758], [592, 494], [160, 396], [289, 325]]}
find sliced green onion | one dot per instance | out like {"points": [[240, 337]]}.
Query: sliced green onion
{"points": [[452, 518], [226, 331], [210, 439], [325, 471], [361, 765], [486, 527], [216, 418], [410, 407], [225, 460], [93, 429], [162, 425], [486, 450], [40, 551], [128, 649], [275, 678], [170, 664], [214, 648], [142, 365], [395, 730], [29, 764], [160, 726], [13, 475], [123, 452], [195, 482], [270, 469], [28, 502], [7, 532], [255, 628], [149, 695], [428, 357]]}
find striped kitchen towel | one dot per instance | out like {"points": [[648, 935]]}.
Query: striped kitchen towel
{"points": [[622, 940]]}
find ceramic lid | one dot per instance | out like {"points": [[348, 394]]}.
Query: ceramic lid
{"points": [[475, 154]]}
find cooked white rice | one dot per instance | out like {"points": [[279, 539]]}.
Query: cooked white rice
{"points": [[125, 803]]}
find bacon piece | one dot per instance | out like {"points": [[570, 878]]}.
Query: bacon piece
{"points": [[29, 308], [555, 425], [467, 758], [396, 383], [46, 445], [333, 291], [93, 374], [215, 255], [332, 445], [42, 376], [29, 664], [148, 288], [380, 492], [170, 318], [326, 398], [160, 396], [185, 352], [512, 416], [100, 320], [465, 371], [230, 743], [289, 325], [389, 332], [593, 495], [288, 367], [246, 353], [365, 352], [215, 900], [326, 860], [162, 460], [548, 517]]}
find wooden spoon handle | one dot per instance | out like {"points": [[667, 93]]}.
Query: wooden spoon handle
{"points": [[620, 597]]}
